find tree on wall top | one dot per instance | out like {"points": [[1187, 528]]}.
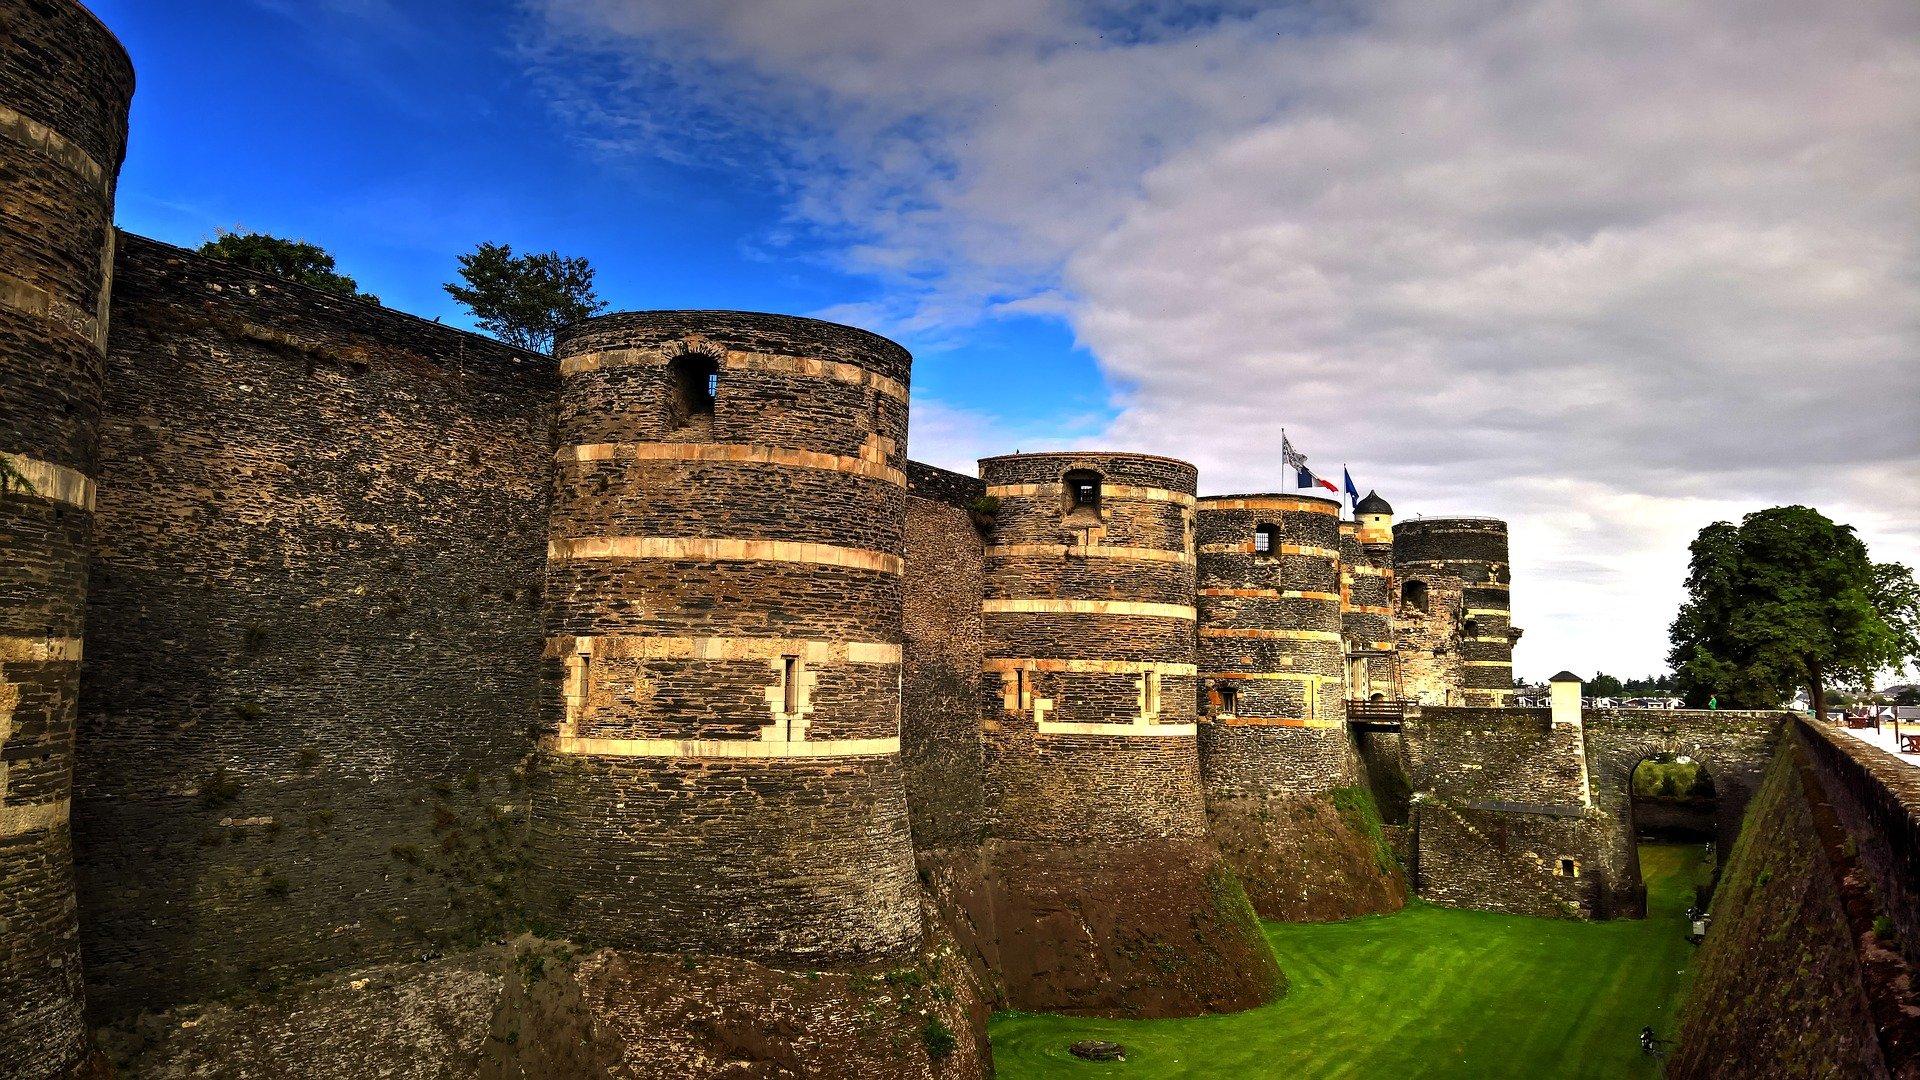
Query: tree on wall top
{"points": [[295, 260], [525, 299], [1788, 599]]}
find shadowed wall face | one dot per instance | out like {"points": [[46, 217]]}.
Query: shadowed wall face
{"points": [[724, 607], [313, 641], [65, 85]]}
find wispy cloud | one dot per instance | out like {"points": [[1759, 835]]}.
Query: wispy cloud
{"points": [[1607, 268]]}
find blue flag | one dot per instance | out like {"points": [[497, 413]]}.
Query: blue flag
{"points": [[1306, 479], [1353, 493]]}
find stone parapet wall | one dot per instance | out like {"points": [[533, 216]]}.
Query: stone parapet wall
{"points": [[724, 600], [314, 640], [65, 87], [1877, 799]]}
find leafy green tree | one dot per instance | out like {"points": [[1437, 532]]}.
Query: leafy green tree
{"points": [[1604, 685], [295, 260], [1909, 696], [525, 299], [1787, 599]]}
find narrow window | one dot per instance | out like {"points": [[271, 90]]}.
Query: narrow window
{"points": [[1309, 706], [1266, 540], [1153, 693], [1414, 595], [1567, 868], [696, 382], [790, 684], [1083, 491], [1471, 629], [1022, 690], [1229, 700], [582, 685]]}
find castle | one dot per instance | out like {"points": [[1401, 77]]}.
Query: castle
{"points": [[334, 637]]}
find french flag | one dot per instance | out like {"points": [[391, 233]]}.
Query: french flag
{"points": [[1309, 478]]}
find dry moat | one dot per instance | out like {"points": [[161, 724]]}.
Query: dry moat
{"points": [[1426, 991]]}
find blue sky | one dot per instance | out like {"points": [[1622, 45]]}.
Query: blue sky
{"points": [[1608, 269], [399, 136]]}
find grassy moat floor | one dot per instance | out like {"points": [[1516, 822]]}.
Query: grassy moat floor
{"points": [[1424, 992]]}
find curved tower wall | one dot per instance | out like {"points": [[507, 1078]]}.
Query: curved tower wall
{"points": [[1366, 610], [1271, 597], [1467, 628], [1087, 610], [65, 85], [724, 609], [1093, 771], [1270, 637]]}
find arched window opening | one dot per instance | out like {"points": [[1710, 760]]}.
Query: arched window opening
{"points": [[1266, 540], [1083, 492], [1414, 595], [696, 382]]}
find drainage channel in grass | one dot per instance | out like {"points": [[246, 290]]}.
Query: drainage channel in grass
{"points": [[1424, 992]]}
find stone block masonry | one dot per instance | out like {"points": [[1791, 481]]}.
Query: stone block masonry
{"points": [[65, 86], [314, 636], [1274, 749], [724, 602], [1088, 695]]}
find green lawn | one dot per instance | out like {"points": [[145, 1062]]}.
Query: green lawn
{"points": [[1425, 992]]}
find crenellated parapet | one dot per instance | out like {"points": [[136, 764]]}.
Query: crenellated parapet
{"points": [[724, 611], [65, 86]]}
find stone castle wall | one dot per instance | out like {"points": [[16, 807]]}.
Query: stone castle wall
{"points": [[65, 86], [1502, 819], [313, 643], [724, 596]]}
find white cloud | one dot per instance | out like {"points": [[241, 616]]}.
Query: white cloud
{"points": [[1607, 268]]}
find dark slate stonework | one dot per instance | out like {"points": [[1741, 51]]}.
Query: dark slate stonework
{"points": [[798, 453], [1500, 806], [65, 85], [1080, 818], [313, 651], [941, 486], [1271, 779], [1792, 980]]}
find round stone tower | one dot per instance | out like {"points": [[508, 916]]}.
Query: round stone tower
{"points": [[1093, 767], [1366, 600], [1455, 631], [724, 610], [1276, 750], [65, 85], [1269, 601]]}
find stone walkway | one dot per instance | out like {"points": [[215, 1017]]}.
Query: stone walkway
{"points": [[1884, 738]]}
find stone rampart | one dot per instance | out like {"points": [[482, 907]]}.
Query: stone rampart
{"points": [[313, 635], [1797, 976], [65, 86], [1877, 800]]}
